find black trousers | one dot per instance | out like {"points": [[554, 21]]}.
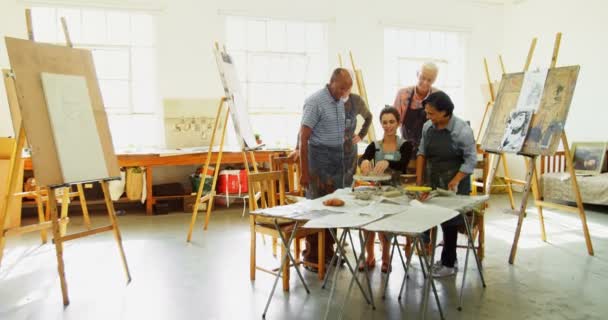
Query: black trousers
{"points": [[450, 237]]}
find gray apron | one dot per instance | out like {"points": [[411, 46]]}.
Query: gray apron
{"points": [[380, 155], [443, 163], [411, 125], [325, 170]]}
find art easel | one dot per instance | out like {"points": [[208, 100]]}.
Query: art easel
{"points": [[532, 182], [28, 97], [360, 90], [209, 197], [39, 195]]}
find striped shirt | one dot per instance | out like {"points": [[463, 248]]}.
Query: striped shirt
{"points": [[325, 116], [462, 140]]}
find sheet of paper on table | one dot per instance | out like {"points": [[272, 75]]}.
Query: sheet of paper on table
{"points": [[343, 220], [458, 202], [416, 218]]}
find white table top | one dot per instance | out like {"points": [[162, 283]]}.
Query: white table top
{"points": [[395, 215]]}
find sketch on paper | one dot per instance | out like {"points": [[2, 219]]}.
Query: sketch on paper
{"points": [[532, 90], [236, 99], [189, 122], [73, 126], [516, 130], [506, 99], [550, 118]]}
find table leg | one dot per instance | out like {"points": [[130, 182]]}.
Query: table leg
{"points": [[286, 254], [149, 195]]}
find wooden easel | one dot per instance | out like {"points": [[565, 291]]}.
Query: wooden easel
{"points": [[54, 223], [508, 180], [209, 197], [361, 91], [40, 195], [532, 182]]}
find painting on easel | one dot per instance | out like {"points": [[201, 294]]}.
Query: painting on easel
{"points": [[506, 100], [549, 121], [517, 129], [549, 118]]}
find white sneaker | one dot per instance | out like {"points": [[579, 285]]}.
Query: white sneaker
{"points": [[444, 272], [438, 265]]}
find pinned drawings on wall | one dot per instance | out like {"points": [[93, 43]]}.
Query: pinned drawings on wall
{"points": [[236, 99], [189, 122], [549, 118], [515, 133]]}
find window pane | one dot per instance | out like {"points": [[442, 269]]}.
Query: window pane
{"points": [[296, 37], [94, 27], [74, 22], [297, 68], [259, 65], [45, 24], [316, 69], [277, 36], [143, 64], [278, 68], [112, 63], [143, 30], [284, 135], [294, 98], [256, 35], [315, 38], [118, 28], [236, 32], [115, 94]]}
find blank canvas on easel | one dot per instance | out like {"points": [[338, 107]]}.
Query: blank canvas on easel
{"points": [[548, 120], [28, 61], [71, 115]]}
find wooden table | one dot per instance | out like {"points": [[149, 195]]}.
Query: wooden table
{"points": [[150, 160]]}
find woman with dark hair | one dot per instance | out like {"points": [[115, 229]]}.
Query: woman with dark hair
{"points": [[389, 155], [446, 157]]}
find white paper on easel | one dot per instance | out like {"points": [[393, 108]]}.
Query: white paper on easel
{"points": [[532, 90], [236, 99], [75, 131]]}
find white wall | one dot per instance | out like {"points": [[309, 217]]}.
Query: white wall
{"points": [[584, 42], [188, 28], [188, 69], [12, 24]]}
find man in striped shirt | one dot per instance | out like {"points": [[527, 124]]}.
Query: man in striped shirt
{"points": [[321, 147]]}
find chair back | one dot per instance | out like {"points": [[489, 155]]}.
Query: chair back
{"points": [[264, 185], [291, 171]]}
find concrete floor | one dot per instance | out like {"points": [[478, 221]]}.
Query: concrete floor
{"points": [[209, 278]]}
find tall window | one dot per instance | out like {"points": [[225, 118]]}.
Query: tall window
{"points": [[279, 63], [405, 50], [123, 44]]}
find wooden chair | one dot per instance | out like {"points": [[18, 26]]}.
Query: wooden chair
{"points": [[291, 170], [267, 187], [484, 165]]}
